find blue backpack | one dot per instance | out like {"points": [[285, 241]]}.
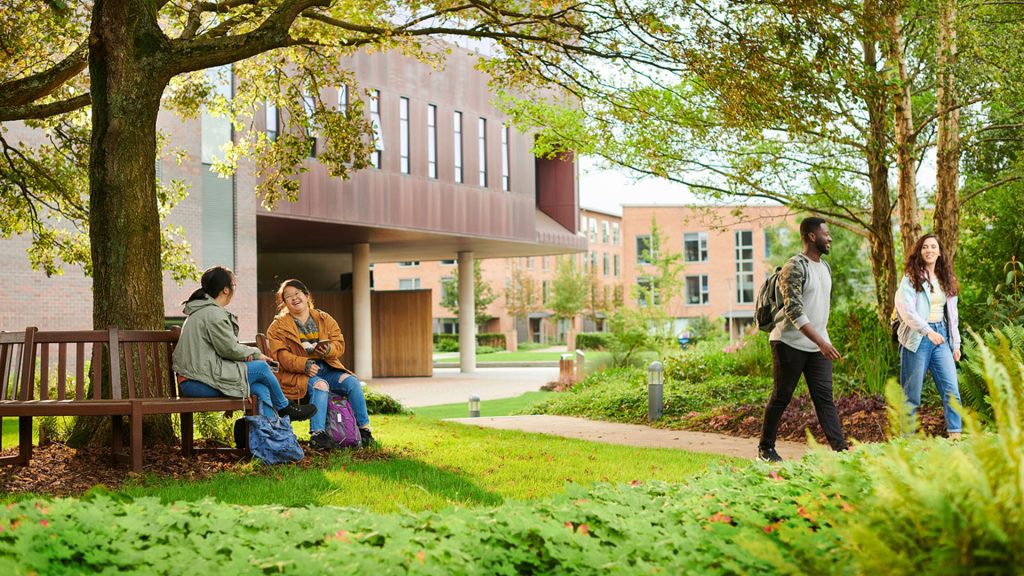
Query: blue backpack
{"points": [[272, 440]]}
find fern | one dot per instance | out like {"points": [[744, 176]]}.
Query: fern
{"points": [[973, 389]]}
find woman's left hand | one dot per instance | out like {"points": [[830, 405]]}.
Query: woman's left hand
{"points": [[956, 356]]}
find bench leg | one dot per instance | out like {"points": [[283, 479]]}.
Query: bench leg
{"points": [[25, 439], [187, 435], [116, 436], [137, 436]]}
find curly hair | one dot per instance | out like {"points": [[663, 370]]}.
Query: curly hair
{"points": [[917, 270]]}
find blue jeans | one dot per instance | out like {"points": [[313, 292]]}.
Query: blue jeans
{"points": [[341, 383], [939, 360], [262, 384]]}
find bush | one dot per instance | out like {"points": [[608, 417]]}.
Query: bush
{"points": [[380, 403], [620, 395], [870, 358], [450, 342], [593, 340], [973, 388]]}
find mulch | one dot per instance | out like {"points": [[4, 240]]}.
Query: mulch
{"points": [[863, 418], [58, 470]]}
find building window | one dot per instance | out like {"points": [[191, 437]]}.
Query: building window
{"points": [[648, 291], [506, 160], [529, 262], [445, 281], [697, 290], [431, 141], [343, 98], [457, 119], [607, 267], [695, 246], [448, 262], [273, 122], [409, 264], [403, 134], [615, 263], [545, 291], [744, 267], [482, 150], [615, 233], [544, 263], [593, 262], [605, 231], [644, 250], [767, 245], [592, 230], [378, 130], [409, 284]]}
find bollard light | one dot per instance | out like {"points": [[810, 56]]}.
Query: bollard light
{"points": [[474, 406], [655, 391]]}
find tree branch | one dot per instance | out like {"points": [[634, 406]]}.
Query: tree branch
{"points": [[966, 197], [30, 88], [37, 111]]}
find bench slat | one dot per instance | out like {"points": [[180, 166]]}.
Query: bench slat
{"points": [[62, 367], [113, 351], [97, 375], [129, 367], [7, 354], [44, 372], [79, 370]]}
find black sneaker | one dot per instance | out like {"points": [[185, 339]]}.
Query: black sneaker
{"points": [[768, 455], [298, 413], [322, 442], [367, 437]]}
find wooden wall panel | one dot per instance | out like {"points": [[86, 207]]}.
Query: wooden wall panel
{"points": [[402, 333]]}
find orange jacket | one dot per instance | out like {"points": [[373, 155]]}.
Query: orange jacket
{"points": [[286, 347]]}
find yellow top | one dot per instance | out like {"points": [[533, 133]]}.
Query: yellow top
{"points": [[938, 302]]}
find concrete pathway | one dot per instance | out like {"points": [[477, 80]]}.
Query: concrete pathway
{"points": [[635, 435], [449, 385]]}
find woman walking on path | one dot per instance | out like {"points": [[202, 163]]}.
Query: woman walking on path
{"points": [[929, 331], [210, 361], [309, 345]]}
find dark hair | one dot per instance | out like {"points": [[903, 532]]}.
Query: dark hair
{"points": [[213, 282], [917, 270], [298, 285], [810, 225]]}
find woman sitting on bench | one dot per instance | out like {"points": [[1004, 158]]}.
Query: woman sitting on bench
{"points": [[308, 343], [209, 360]]}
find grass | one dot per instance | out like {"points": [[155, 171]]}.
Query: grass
{"points": [[500, 407], [517, 356], [426, 464]]}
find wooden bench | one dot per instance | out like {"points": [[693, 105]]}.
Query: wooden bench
{"points": [[141, 357]]}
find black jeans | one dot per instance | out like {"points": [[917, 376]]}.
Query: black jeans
{"points": [[789, 363]]}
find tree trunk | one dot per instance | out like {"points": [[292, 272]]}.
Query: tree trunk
{"points": [[947, 205], [883, 265], [903, 125], [125, 48]]}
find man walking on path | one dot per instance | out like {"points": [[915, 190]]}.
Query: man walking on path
{"points": [[800, 343]]}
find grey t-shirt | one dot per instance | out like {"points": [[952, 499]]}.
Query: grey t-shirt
{"points": [[816, 299]]}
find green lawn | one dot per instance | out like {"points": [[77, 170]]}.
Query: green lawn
{"points": [[591, 356], [500, 407]]}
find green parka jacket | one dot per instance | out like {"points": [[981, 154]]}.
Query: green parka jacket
{"points": [[208, 350]]}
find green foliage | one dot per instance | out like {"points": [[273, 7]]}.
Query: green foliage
{"points": [[483, 294], [380, 403], [446, 342], [660, 281], [570, 289], [704, 328], [593, 340], [849, 259], [620, 395], [486, 342], [870, 358], [1006, 343]]}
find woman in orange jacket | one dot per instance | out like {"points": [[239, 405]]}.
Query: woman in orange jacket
{"points": [[308, 344]]}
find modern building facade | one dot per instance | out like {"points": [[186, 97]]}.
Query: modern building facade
{"points": [[452, 181]]}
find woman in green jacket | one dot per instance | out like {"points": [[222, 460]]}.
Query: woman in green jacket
{"points": [[211, 362]]}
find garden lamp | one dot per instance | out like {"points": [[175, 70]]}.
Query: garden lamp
{"points": [[655, 390], [474, 406]]}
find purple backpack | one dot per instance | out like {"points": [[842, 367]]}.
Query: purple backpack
{"points": [[341, 422]]}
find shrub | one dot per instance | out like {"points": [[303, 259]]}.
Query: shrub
{"points": [[380, 403], [870, 358], [620, 395], [491, 339], [973, 388], [446, 342], [450, 342], [593, 340]]}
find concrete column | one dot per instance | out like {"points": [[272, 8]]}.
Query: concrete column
{"points": [[467, 314], [362, 338]]}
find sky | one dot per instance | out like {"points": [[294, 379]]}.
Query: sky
{"points": [[606, 190]]}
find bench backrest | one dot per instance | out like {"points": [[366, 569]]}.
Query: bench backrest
{"points": [[143, 357], [14, 346]]}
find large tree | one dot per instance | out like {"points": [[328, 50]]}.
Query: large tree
{"points": [[93, 77]]}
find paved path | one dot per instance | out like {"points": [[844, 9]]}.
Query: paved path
{"points": [[449, 385], [635, 435]]}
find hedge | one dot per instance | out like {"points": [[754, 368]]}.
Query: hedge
{"points": [[593, 340], [450, 342]]}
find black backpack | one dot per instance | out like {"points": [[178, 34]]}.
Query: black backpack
{"points": [[769, 297]]}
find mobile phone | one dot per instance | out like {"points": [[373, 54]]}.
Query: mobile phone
{"points": [[274, 366]]}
